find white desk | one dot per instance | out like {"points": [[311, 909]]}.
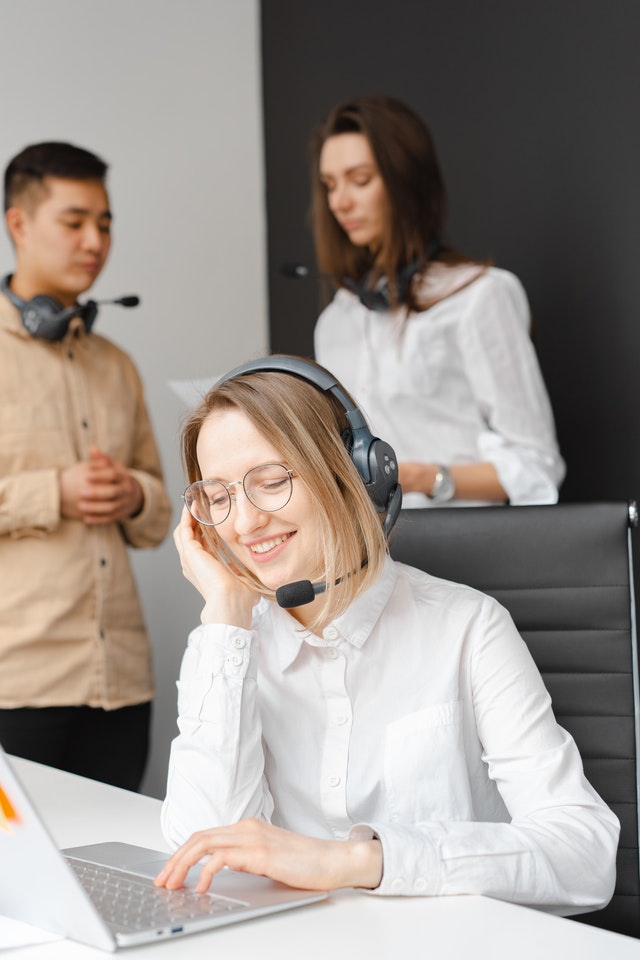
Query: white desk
{"points": [[348, 925]]}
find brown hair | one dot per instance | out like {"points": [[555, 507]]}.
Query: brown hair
{"points": [[306, 425], [406, 157]]}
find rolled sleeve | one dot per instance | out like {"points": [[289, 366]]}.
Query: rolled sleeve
{"points": [[527, 476], [149, 527], [30, 502]]}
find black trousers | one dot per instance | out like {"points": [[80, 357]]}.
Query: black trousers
{"points": [[106, 745]]}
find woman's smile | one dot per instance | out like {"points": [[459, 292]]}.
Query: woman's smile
{"points": [[261, 548]]}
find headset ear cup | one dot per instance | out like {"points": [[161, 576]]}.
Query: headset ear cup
{"points": [[383, 471], [379, 297], [40, 316]]}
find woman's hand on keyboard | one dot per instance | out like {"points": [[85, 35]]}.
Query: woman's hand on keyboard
{"points": [[253, 846]]}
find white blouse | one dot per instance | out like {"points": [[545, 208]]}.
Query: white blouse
{"points": [[456, 384], [418, 717]]}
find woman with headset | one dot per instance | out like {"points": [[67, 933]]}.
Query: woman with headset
{"points": [[345, 720], [434, 345]]}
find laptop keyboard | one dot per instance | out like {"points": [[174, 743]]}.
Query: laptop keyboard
{"points": [[135, 904]]}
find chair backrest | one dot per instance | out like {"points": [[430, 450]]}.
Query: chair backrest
{"points": [[565, 574]]}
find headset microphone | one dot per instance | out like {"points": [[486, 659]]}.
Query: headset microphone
{"points": [[376, 298], [130, 301], [300, 271], [298, 593], [303, 591], [87, 310], [45, 317]]}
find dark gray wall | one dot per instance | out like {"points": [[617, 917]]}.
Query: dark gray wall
{"points": [[535, 108]]}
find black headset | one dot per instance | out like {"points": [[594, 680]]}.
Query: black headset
{"points": [[45, 317], [374, 459], [379, 297]]}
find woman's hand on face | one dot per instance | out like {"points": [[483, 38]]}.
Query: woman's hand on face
{"points": [[227, 600], [253, 846]]}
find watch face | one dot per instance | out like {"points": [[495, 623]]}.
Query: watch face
{"points": [[444, 487]]}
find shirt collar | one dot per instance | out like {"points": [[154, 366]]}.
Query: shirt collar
{"points": [[353, 626], [10, 317]]}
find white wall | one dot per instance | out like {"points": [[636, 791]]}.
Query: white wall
{"points": [[168, 94]]}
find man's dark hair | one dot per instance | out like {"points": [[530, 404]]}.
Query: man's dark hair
{"points": [[27, 171]]}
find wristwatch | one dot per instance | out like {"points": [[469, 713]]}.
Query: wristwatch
{"points": [[443, 486]]}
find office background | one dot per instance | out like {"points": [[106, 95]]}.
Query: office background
{"points": [[534, 110]]}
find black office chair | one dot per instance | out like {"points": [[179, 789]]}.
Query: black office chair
{"points": [[564, 572]]}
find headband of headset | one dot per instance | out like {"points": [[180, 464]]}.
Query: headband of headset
{"points": [[374, 459], [45, 317]]}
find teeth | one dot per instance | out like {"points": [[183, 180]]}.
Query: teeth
{"points": [[267, 545]]}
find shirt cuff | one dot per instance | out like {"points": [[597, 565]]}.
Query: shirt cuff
{"points": [[37, 507], [216, 654], [410, 863], [217, 649]]}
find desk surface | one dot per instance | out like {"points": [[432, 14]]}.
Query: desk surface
{"points": [[348, 924]]}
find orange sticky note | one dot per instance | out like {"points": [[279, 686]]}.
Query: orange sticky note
{"points": [[8, 813]]}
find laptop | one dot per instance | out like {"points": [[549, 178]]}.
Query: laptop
{"points": [[103, 894]]}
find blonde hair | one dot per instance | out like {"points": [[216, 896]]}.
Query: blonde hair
{"points": [[306, 425]]}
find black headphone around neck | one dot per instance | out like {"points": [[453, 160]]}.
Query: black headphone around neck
{"points": [[379, 297], [374, 459], [45, 317]]}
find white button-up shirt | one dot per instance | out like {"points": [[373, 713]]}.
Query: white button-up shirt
{"points": [[456, 384], [420, 718]]}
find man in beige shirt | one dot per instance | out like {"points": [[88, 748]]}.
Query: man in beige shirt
{"points": [[80, 481]]}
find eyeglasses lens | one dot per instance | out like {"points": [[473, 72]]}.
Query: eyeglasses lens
{"points": [[268, 487]]}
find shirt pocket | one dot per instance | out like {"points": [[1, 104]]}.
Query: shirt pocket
{"points": [[424, 766]]}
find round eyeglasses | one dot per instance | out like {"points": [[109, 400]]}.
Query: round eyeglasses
{"points": [[268, 487]]}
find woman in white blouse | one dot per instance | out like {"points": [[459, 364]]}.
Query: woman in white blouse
{"points": [[435, 347], [375, 727]]}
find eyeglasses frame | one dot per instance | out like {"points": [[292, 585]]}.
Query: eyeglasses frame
{"points": [[233, 483]]}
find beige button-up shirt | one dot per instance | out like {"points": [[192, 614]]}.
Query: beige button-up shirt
{"points": [[71, 625]]}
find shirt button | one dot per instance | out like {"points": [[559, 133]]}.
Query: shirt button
{"points": [[236, 661], [397, 885], [332, 653], [334, 781], [420, 885], [341, 720], [331, 633], [239, 642]]}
